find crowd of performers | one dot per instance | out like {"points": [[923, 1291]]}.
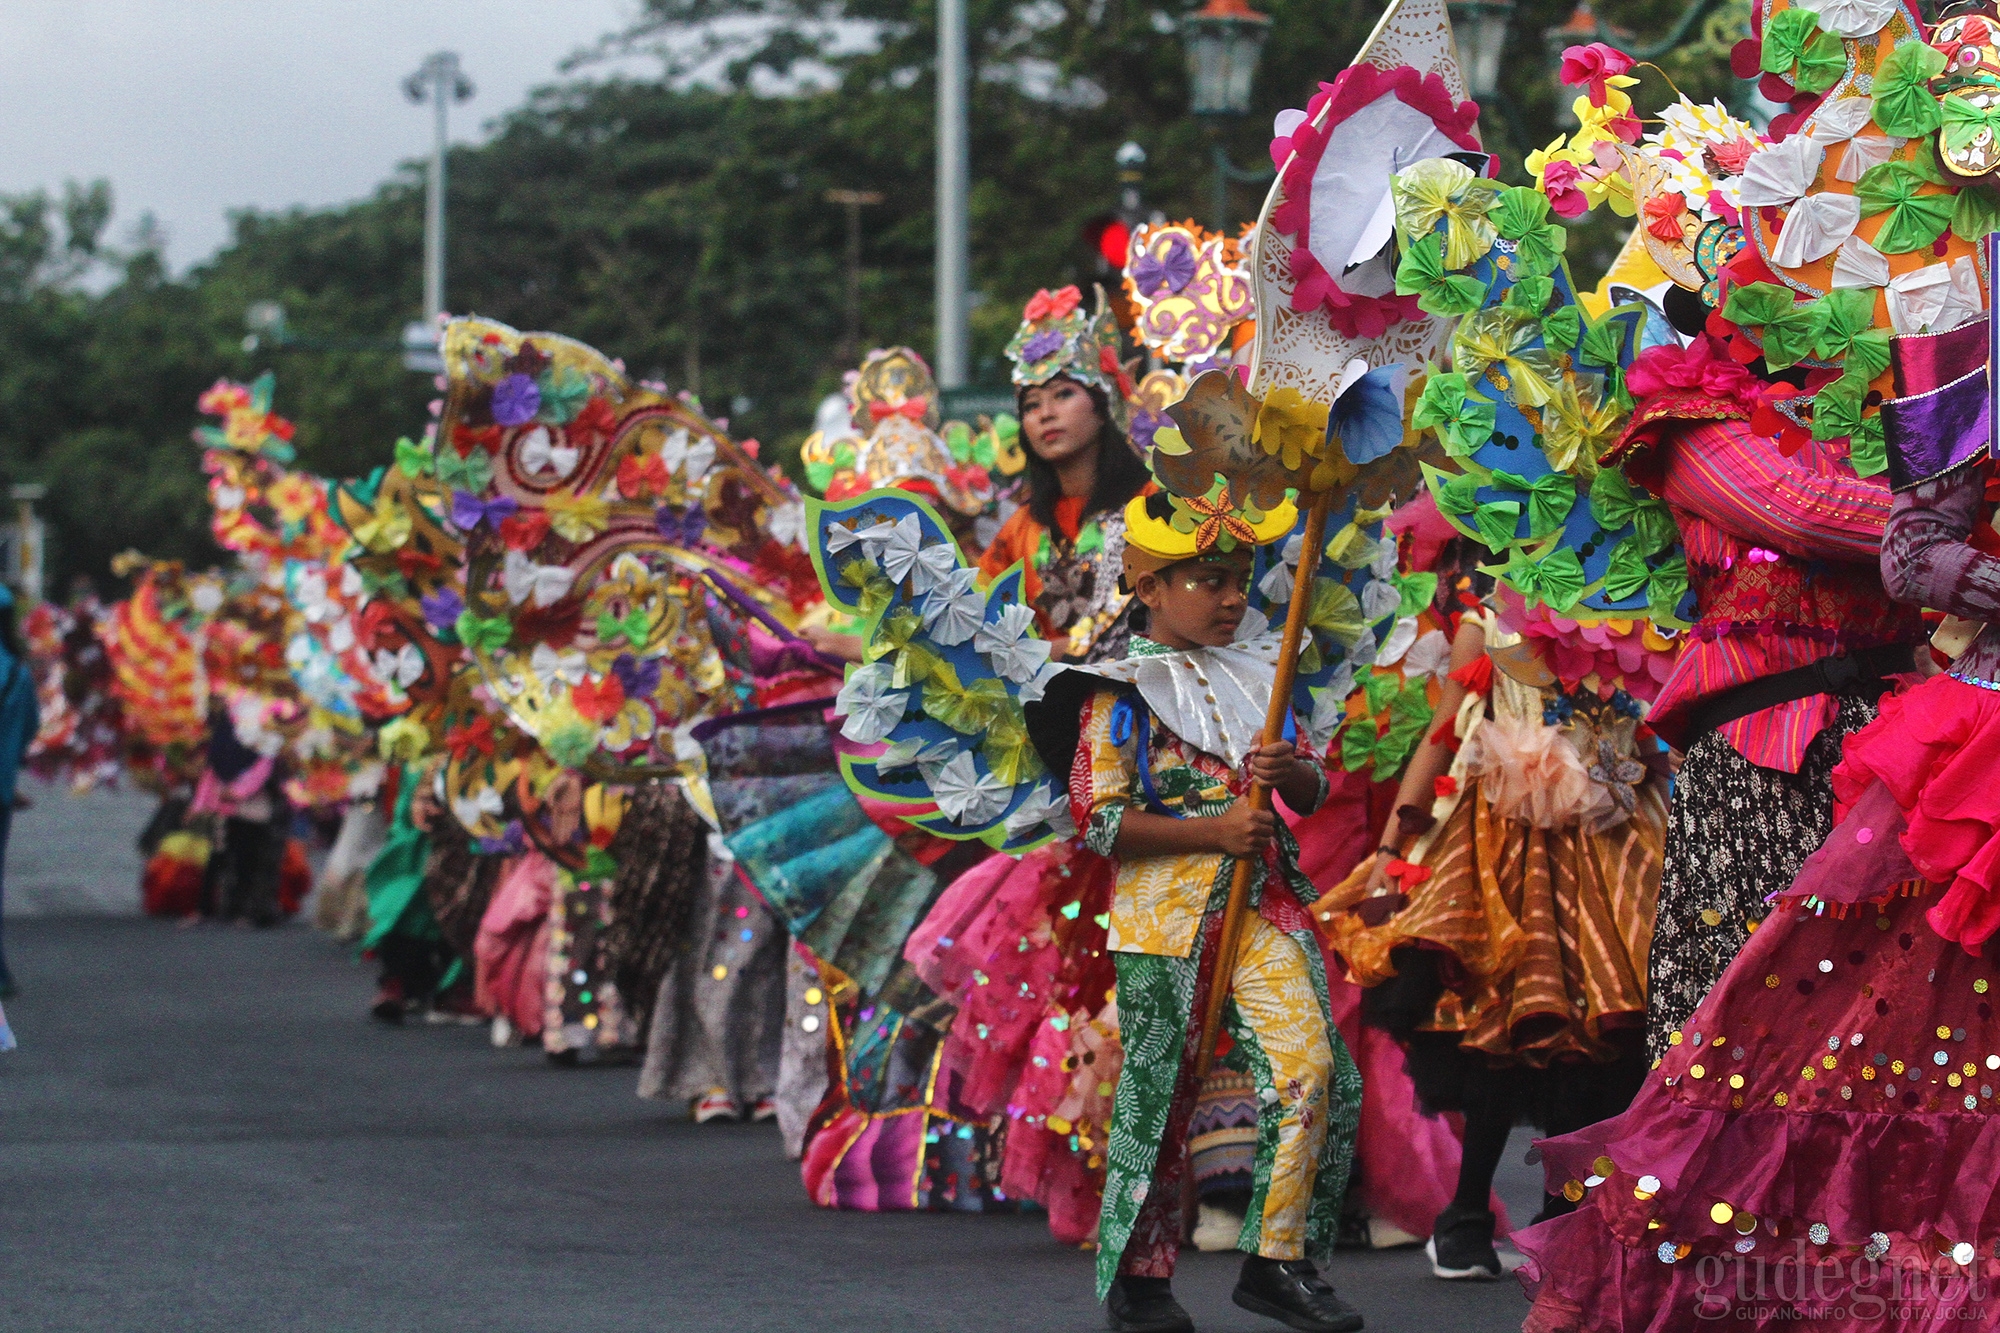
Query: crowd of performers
{"points": [[1369, 696]]}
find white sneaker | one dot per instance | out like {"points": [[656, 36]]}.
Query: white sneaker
{"points": [[1216, 1229], [1388, 1236], [503, 1031]]}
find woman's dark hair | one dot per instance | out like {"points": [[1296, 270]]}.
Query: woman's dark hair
{"points": [[1121, 474]]}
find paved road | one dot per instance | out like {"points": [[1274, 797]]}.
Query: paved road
{"points": [[74, 854], [201, 1132]]}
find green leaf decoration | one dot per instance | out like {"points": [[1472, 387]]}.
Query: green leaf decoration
{"points": [[1794, 336], [1462, 419], [1628, 573], [1550, 498], [1421, 273], [1530, 296], [1456, 494], [1496, 521], [1867, 450], [1666, 588], [416, 460], [1904, 105], [571, 744], [1821, 64], [1336, 612], [473, 473], [1418, 591], [1357, 745], [1560, 328], [1976, 214], [1555, 579], [1915, 220], [1964, 122], [1604, 339], [599, 864], [564, 392], [1785, 38], [1837, 408], [1759, 302]]}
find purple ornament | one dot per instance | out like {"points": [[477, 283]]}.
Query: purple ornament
{"points": [[442, 609], [1044, 344], [686, 526], [640, 679], [516, 399], [1171, 271]]}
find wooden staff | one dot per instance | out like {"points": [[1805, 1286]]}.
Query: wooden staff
{"points": [[1260, 795]]}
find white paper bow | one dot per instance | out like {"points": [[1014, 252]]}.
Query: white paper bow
{"points": [[1854, 18], [786, 522], [1815, 227], [469, 809], [1400, 639], [229, 498], [870, 707], [540, 453], [551, 666], [1837, 122], [1379, 598], [1041, 806], [340, 636], [400, 668], [1009, 648], [1779, 173], [1935, 297], [955, 610], [1859, 264], [933, 758], [1330, 706], [689, 456], [904, 555], [968, 796], [523, 579], [1865, 151]]}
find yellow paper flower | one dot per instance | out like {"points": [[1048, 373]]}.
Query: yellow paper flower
{"points": [[1290, 427], [1496, 340], [1439, 188], [1576, 428], [577, 518], [293, 496], [1558, 150], [387, 528]]}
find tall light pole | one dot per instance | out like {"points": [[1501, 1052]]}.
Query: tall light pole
{"points": [[439, 81], [1224, 40], [954, 184], [854, 201]]}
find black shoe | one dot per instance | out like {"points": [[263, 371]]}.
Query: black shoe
{"points": [[1461, 1246], [1292, 1292], [1145, 1305], [390, 1001]]}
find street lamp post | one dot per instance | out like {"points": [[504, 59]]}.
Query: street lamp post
{"points": [[1224, 40], [954, 185], [439, 81], [1480, 29], [854, 201]]}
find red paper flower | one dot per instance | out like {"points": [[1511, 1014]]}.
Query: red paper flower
{"points": [[476, 735], [1560, 180], [642, 476], [1445, 785], [1663, 215], [1589, 66], [524, 531], [598, 701], [596, 420], [1046, 304], [464, 438], [1766, 419]]}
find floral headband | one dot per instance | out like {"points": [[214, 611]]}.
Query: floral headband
{"points": [[1056, 338]]}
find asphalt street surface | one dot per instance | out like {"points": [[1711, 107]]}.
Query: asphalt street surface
{"points": [[202, 1131]]}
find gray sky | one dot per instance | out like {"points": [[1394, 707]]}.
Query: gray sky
{"points": [[194, 107]]}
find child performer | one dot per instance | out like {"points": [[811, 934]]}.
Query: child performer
{"points": [[1160, 782]]}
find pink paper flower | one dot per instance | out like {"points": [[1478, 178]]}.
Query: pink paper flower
{"points": [[1589, 66]]}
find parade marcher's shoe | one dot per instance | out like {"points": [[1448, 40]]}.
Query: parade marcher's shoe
{"points": [[456, 1006], [1292, 1292], [1388, 1236], [716, 1105], [1145, 1305], [389, 1002], [766, 1109], [1553, 1205], [1461, 1246]]}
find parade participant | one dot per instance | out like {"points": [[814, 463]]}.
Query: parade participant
{"points": [[243, 788], [1174, 817], [403, 933], [1826, 1107], [1072, 392], [19, 720], [1521, 872]]}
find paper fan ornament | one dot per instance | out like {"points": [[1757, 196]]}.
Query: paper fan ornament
{"points": [[594, 514], [1325, 279], [156, 670]]}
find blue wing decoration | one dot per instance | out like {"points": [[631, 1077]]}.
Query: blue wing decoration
{"points": [[947, 667]]}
